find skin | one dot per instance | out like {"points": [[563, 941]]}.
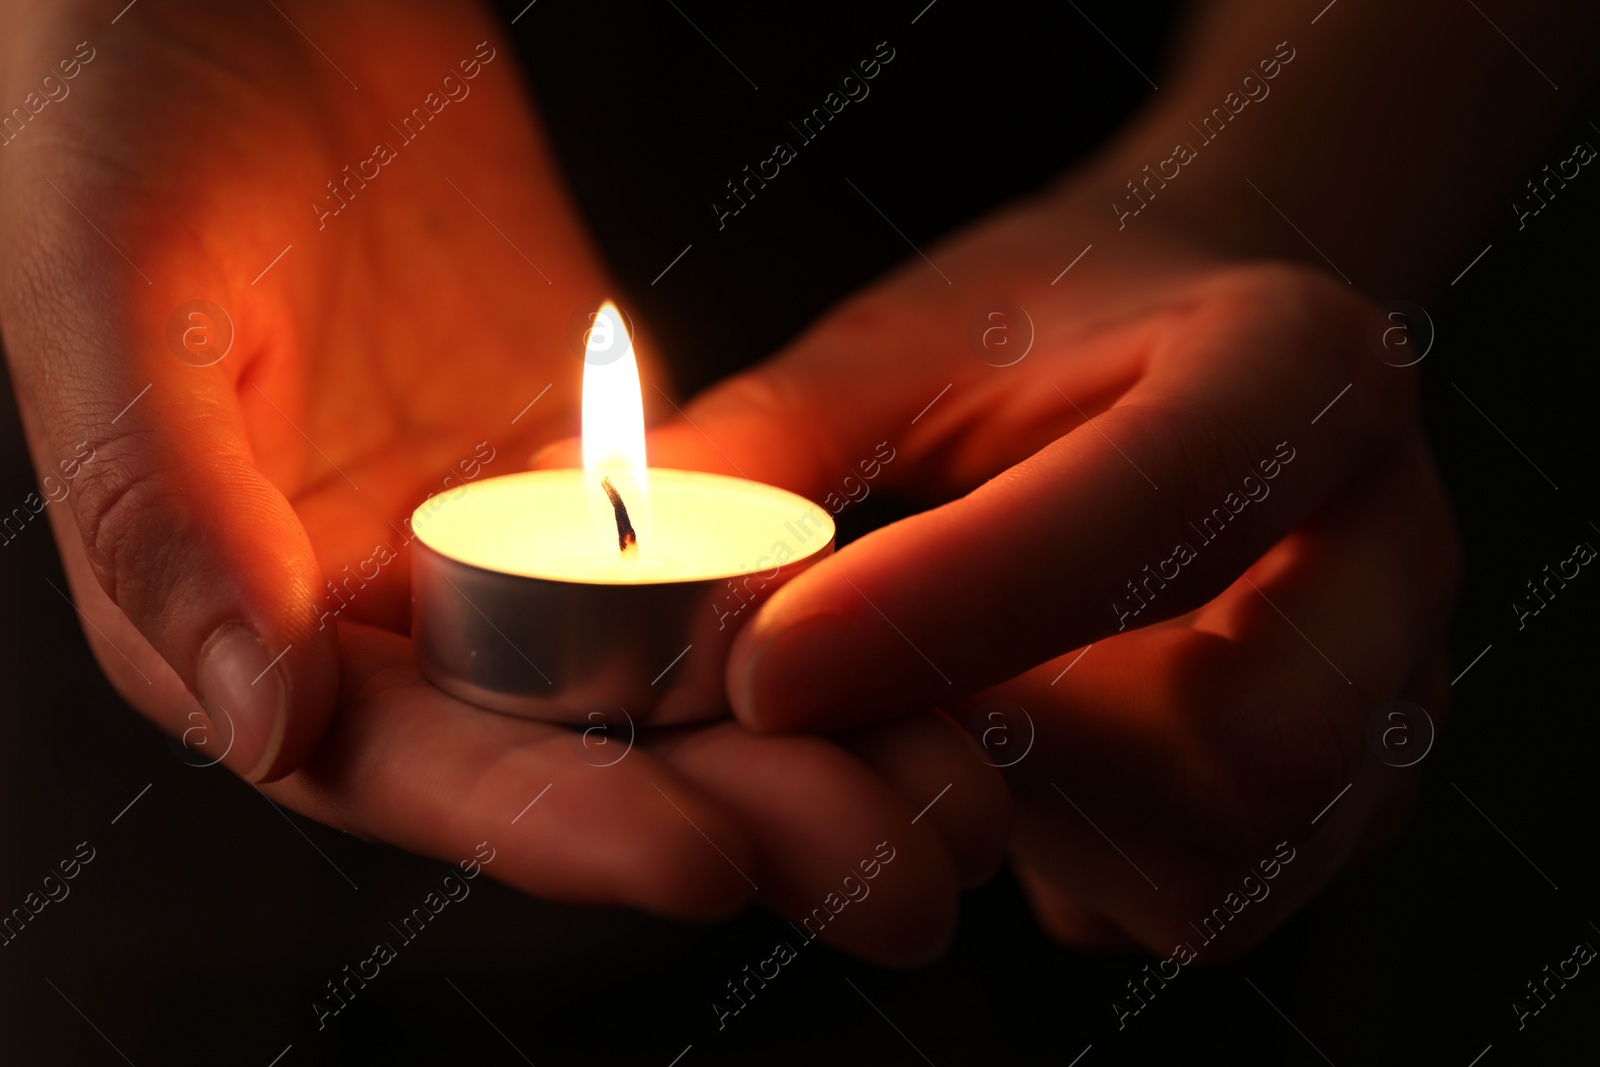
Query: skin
{"points": [[1195, 742], [396, 336], [1184, 349]]}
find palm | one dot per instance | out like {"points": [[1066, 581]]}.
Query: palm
{"points": [[374, 350], [1207, 722], [419, 314]]}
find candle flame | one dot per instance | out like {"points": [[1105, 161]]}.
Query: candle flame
{"points": [[613, 422]]}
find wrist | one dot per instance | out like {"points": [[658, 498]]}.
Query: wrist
{"points": [[1163, 181]]}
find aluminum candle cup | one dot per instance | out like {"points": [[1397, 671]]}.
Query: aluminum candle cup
{"points": [[522, 603]]}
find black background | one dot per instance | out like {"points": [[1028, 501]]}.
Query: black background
{"points": [[208, 922]]}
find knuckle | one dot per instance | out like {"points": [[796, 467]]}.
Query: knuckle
{"points": [[1290, 289], [1329, 322], [126, 512]]}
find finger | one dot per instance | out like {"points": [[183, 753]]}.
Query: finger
{"points": [[179, 528], [1066, 920], [835, 849], [911, 363], [406, 764], [1174, 759], [1079, 540], [937, 768], [755, 426]]}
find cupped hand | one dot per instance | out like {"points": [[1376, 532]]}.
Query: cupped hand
{"points": [[271, 277], [1183, 537]]}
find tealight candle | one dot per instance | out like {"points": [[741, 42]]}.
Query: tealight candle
{"points": [[566, 594]]}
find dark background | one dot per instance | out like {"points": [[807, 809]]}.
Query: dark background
{"points": [[208, 922]]}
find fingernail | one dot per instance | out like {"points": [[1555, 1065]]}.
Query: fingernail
{"points": [[802, 675], [240, 675]]}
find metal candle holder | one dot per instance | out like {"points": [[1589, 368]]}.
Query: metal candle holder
{"points": [[561, 651]]}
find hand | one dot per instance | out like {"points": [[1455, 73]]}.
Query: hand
{"points": [[383, 337], [1194, 534]]}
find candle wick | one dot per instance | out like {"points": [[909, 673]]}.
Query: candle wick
{"points": [[627, 540]]}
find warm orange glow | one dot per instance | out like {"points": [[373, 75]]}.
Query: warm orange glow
{"points": [[613, 421]]}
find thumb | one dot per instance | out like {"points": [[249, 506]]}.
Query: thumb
{"points": [[190, 545], [207, 560], [766, 425]]}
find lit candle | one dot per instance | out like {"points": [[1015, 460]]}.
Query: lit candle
{"points": [[560, 593]]}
